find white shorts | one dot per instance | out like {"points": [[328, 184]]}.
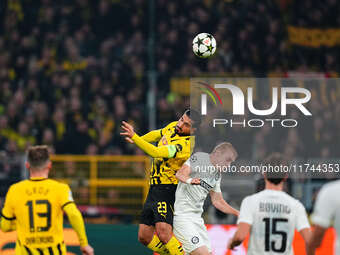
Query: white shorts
{"points": [[191, 232]]}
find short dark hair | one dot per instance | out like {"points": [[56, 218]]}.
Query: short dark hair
{"points": [[275, 159], [38, 156], [194, 116]]}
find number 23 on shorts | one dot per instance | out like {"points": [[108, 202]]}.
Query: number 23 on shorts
{"points": [[161, 207]]}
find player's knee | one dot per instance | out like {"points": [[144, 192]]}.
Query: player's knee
{"points": [[144, 239], [164, 237], [144, 236], [164, 233]]}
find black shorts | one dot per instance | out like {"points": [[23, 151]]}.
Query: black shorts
{"points": [[159, 205]]}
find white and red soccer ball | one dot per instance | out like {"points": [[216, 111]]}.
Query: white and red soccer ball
{"points": [[204, 45]]}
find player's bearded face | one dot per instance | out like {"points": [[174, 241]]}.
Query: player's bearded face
{"points": [[183, 125]]}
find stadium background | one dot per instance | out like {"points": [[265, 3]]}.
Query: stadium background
{"points": [[71, 71]]}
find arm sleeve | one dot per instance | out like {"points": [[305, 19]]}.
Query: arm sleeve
{"points": [[324, 208], [7, 221], [8, 210], [66, 195], [152, 136], [193, 159], [77, 222], [6, 225], [187, 162], [301, 218], [217, 187], [167, 151], [246, 215]]}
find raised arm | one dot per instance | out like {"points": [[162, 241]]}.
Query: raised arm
{"points": [[218, 201], [167, 151], [152, 136]]}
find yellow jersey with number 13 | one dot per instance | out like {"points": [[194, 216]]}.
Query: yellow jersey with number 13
{"points": [[37, 206]]}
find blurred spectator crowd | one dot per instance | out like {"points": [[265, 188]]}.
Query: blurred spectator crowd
{"points": [[71, 71]]}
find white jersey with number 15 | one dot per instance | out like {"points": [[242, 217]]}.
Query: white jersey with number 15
{"points": [[273, 216]]}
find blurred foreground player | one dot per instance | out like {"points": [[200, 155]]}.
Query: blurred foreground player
{"points": [[172, 150], [200, 175], [35, 209], [271, 216], [326, 212]]}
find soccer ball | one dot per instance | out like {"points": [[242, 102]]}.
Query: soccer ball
{"points": [[204, 45]]}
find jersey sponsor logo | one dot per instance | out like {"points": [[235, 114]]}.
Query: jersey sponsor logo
{"points": [[39, 240], [195, 240]]}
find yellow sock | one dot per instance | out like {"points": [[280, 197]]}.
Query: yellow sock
{"points": [[157, 246], [174, 247]]}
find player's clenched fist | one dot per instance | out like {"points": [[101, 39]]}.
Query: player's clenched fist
{"points": [[195, 181]]}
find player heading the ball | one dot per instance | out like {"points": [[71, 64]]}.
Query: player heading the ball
{"points": [[174, 143]]}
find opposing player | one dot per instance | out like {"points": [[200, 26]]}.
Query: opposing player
{"points": [[271, 216], [172, 150], [35, 209], [200, 175], [326, 212]]}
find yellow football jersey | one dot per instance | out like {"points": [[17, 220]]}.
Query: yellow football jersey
{"points": [[37, 207], [163, 170]]}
